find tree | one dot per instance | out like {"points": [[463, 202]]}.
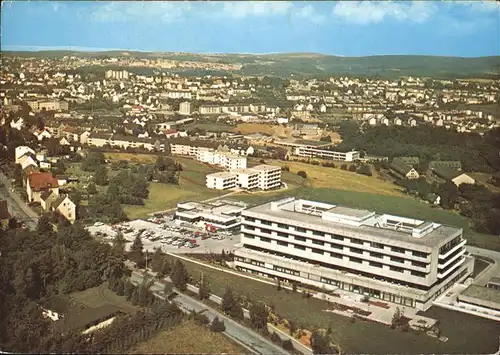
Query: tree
{"points": [[165, 269], [259, 315], [278, 285], [160, 163], [101, 175], [396, 318], [320, 343], [294, 286], [128, 290], [136, 253], [364, 169], [217, 325], [119, 243], [204, 290], [179, 276], [157, 261], [302, 173], [91, 188], [352, 168], [113, 191], [230, 305], [44, 226], [120, 287]]}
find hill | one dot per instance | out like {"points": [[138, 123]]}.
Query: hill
{"points": [[313, 64]]}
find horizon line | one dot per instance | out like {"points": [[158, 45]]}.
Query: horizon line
{"points": [[82, 49]]}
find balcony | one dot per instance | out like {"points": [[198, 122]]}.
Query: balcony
{"points": [[449, 271], [452, 250], [449, 262]]}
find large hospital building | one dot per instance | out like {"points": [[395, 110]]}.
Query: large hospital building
{"points": [[396, 259]]}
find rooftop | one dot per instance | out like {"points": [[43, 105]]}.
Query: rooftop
{"points": [[222, 174], [303, 142], [482, 293], [265, 167], [39, 181], [375, 227]]}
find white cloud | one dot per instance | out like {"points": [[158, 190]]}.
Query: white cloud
{"points": [[365, 12], [255, 8], [308, 12], [140, 11], [479, 6]]}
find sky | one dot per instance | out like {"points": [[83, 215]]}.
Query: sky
{"points": [[344, 28]]}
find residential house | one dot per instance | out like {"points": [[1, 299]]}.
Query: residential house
{"points": [[20, 151], [28, 159], [443, 174], [42, 134], [4, 215], [65, 207], [37, 183], [403, 171]]}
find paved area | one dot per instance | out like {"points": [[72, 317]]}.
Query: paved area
{"points": [[210, 245], [377, 313], [17, 206], [491, 271]]}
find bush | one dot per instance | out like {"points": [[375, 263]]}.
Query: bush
{"points": [[315, 162], [365, 170], [405, 328], [352, 168], [343, 166], [302, 173], [217, 325]]}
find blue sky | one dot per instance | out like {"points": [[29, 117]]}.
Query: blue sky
{"points": [[349, 28]]}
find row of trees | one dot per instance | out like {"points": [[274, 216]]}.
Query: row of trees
{"points": [[477, 153], [40, 264]]}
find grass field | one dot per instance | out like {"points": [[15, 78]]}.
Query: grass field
{"points": [[101, 295], [360, 337], [336, 178], [165, 196], [189, 338]]}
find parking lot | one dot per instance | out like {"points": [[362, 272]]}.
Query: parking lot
{"points": [[170, 237]]}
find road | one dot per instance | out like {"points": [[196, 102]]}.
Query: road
{"points": [[16, 205], [251, 339], [491, 271]]}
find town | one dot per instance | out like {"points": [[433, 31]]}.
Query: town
{"points": [[149, 197]]}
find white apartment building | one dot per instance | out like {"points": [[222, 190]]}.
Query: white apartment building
{"points": [[116, 74], [225, 160], [396, 259], [185, 108], [221, 215], [222, 180], [262, 177], [326, 154]]}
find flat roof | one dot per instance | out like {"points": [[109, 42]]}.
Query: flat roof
{"points": [[249, 171], [356, 222], [265, 167], [304, 142], [222, 174], [482, 293]]}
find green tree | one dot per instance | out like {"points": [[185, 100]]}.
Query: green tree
{"points": [[320, 343], [160, 163], [179, 276], [217, 325], [204, 290], [166, 268], [113, 190], [302, 174], [128, 290], [119, 243], [230, 305], [120, 287], [259, 315], [101, 175], [44, 226], [136, 253], [157, 261], [91, 188]]}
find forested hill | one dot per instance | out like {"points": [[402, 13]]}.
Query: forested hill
{"points": [[311, 64], [477, 154]]}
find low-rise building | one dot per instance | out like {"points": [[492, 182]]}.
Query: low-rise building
{"points": [[443, 174], [222, 180], [403, 171], [220, 215], [326, 154], [262, 177], [38, 183]]}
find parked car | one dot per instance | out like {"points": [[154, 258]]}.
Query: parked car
{"points": [[98, 224]]}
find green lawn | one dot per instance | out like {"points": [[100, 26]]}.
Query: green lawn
{"points": [[383, 204], [360, 337], [165, 196]]}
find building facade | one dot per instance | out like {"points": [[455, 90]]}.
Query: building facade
{"points": [[326, 154], [395, 259], [262, 177]]}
